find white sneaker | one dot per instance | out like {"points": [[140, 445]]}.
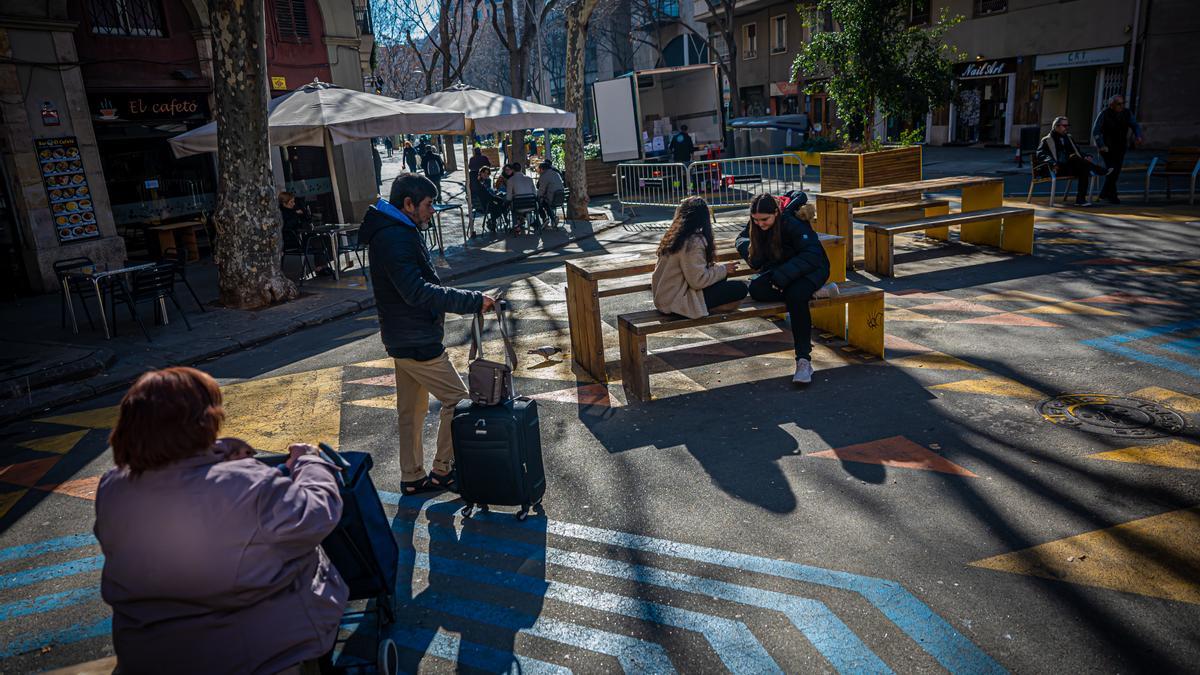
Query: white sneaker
{"points": [[829, 290], [804, 372]]}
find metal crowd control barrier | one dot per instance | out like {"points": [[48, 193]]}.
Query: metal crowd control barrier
{"points": [[722, 182]]}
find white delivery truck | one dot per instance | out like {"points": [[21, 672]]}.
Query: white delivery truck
{"points": [[637, 113]]}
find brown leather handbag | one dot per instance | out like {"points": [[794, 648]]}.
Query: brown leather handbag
{"points": [[489, 382]]}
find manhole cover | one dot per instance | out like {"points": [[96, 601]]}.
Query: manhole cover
{"points": [[1113, 415]]}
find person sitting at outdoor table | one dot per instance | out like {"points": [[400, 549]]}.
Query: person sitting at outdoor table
{"points": [[1058, 153], [487, 201], [686, 280], [549, 189], [478, 161], [518, 185], [502, 180], [792, 267], [212, 559], [297, 224]]}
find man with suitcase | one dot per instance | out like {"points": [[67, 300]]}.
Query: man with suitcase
{"points": [[412, 304]]}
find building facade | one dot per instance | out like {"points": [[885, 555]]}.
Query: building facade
{"points": [[98, 88], [1026, 62]]}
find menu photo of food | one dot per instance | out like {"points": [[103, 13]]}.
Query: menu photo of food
{"points": [[66, 187]]}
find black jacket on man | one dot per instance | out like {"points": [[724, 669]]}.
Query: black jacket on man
{"points": [[409, 296], [803, 255]]}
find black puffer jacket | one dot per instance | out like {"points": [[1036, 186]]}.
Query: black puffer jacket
{"points": [[409, 296], [803, 255]]}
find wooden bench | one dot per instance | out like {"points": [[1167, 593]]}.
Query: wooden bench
{"points": [[929, 207], [1008, 228], [856, 313], [584, 293], [1179, 162]]}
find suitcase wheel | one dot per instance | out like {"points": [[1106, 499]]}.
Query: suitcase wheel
{"points": [[389, 657]]}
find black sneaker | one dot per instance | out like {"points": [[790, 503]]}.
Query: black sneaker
{"points": [[1082, 203]]}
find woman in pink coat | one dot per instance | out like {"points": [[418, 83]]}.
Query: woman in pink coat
{"points": [[212, 562]]}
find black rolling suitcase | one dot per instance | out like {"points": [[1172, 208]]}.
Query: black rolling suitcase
{"points": [[498, 448]]}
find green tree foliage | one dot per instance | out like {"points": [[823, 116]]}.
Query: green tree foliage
{"points": [[876, 56]]}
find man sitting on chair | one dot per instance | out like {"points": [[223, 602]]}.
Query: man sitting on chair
{"points": [[1059, 153], [549, 190], [517, 185]]}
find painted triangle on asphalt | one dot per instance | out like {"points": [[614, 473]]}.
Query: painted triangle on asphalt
{"points": [[993, 386], [61, 444], [1175, 454], [1070, 308], [1172, 399], [377, 363], [934, 361], [9, 500], [963, 306], [388, 380], [1010, 319], [897, 343], [27, 474], [898, 452], [386, 401], [588, 394], [1129, 299], [1015, 296], [99, 418], [83, 488], [1156, 556], [909, 315]]}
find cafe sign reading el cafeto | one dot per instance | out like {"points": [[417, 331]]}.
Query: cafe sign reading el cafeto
{"points": [[121, 107]]}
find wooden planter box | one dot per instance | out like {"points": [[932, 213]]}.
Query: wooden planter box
{"points": [[849, 170], [493, 154], [600, 178]]}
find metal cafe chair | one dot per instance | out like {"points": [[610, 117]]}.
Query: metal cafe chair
{"points": [[156, 285], [62, 270]]}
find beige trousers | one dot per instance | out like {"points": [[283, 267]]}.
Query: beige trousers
{"points": [[415, 381]]}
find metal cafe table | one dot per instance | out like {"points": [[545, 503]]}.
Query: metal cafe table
{"points": [[96, 277]]}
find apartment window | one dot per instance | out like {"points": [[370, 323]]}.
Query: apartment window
{"points": [[918, 12], [291, 20], [985, 7], [134, 18], [779, 34], [749, 41]]}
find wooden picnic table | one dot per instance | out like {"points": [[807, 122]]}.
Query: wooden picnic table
{"points": [[835, 210]]}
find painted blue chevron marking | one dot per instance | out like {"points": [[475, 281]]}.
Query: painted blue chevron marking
{"points": [[931, 632], [56, 571], [49, 603], [634, 655], [832, 638], [1116, 345], [736, 646], [471, 654], [28, 642], [48, 546]]}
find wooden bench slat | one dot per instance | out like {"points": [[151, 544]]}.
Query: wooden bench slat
{"points": [[651, 321], [948, 219], [884, 209]]}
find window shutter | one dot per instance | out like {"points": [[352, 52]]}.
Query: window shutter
{"points": [[291, 20]]}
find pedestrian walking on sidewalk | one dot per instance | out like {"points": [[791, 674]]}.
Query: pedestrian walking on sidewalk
{"points": [[1059, 154], [212, 559], [412, 304], [410, 157], [1111, 134]]}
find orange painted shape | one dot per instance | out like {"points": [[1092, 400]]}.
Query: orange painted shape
{"points": [[9, 500], [958, 306], [1128, 299], [898, 452], [388, 380], [83, 488], [897, 343], [27, 474], [1010, 319]]}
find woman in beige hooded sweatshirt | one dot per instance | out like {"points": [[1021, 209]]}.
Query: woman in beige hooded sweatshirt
{"points": [[686, 280]]}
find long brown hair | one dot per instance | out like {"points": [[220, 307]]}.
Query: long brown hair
{"points": [[766, 245], [691, 217], [167, 415]]}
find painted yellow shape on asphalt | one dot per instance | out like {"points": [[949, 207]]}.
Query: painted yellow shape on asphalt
{"points": [[936, 361], [1070, 308], [377, 363], [1172, 399], [273, 412], [993, 386], [61, 444], [1175, 454], [100, 418], [9, 499], [1156, 556], [908, 315], [1002, 296], [385, 401]]}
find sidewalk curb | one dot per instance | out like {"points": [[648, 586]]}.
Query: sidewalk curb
{"points": [[43, 401]]}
